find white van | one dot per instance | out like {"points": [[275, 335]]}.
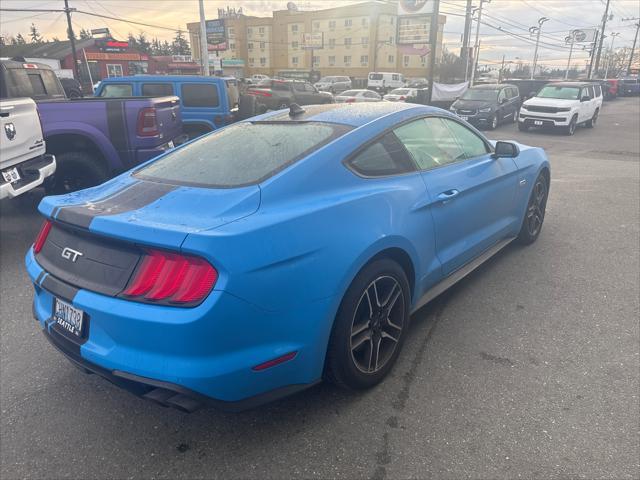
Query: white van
{"points": [[384, 81]]}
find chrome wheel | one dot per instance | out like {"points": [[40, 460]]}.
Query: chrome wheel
{"points": [[377, 324], [536, 208], [494, 122]]}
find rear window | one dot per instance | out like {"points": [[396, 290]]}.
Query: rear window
{"points": [[37, 85], [200, 95], [117, 90], [32, 83], [157, 89], [375, 76], [241, 154]]}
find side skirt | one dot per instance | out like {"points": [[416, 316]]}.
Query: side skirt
{"points": [[459, 274]]}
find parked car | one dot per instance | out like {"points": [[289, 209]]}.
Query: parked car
{"points": [[206, 103], [334, 84], [400, 94], [356, 96], [611, 90], [93, 138], [277, 94], [278, 251], [257, 78], [527, 88], [562, 105], [384, 81], [24, 165], [628, 86], [420, 82], [488, 105]]}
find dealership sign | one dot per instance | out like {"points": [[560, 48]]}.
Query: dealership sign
{"points": [[415, 7], [110, 45], [216, 35], [583, 36], [313, 40]]}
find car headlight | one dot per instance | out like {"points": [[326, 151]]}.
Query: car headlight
{"points": [[564, 109], [485, 110]]}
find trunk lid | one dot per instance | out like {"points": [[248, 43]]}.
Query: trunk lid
{"points": [[21, 133]]}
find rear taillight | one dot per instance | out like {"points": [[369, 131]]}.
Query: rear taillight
{"points": [[171, 278], [42, 236], [259, 93], [350, 100], [147, 122], [403, 98]]}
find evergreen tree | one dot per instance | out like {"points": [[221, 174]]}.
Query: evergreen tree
{"points": [[20, 40], [34, 34], [84, 34], [142, 43], [180, 45]]}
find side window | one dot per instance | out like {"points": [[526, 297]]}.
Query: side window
{"points": [[309, 88], [598, 90], [395, 77], [117, 90], [472, 145], [52, 84], [502, 95], [382, 158], [298, 87], [281, 86], [430, 143], [156, 89], [200, 95]]}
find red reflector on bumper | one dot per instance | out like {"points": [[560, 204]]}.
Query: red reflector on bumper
{"points": [[276, 361]]}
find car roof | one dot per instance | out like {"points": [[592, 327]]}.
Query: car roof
{"points": [[353, 114], [491, 86], [165, 78], [569, 84]]}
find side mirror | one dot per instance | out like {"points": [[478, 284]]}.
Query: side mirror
{"points": [[504, 100], [506, 150], [586, 98]]}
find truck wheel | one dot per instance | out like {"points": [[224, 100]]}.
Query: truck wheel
{"points": [[592, 123], [523, 127], [571, 128], [75, 171]]}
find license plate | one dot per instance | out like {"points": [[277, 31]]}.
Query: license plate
{"points": [[464, 117], [537, 122], [69, 318], [11, 175]]}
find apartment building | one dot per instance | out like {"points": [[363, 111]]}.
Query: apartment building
{"points": [[357, 39]]}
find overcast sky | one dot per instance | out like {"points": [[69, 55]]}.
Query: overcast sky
{"points": [[514, 16]]}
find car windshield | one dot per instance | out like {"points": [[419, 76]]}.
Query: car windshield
{"points": [[400, 91], [480, 94], [241, 154], [350, 93], [565, 93]]}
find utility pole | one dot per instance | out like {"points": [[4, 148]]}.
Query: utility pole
{"points": [[476, 48], [604, 24], [464, 51], [501, 70], [635, 40], [433, 42], [570, 39], [204, 50], [592, 55], [537, 30], [72, 38], [613, 37]]}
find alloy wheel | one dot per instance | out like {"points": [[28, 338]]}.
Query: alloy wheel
{"points": [[494, 122], [377, 324], [536, 207]]}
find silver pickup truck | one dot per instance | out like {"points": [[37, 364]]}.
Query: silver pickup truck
{"points": [[23, 162]]}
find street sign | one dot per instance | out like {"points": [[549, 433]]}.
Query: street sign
{"points": [[413, 30], [583, 36]]}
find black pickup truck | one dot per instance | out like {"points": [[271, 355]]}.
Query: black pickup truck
{"points": [[278, 94]]}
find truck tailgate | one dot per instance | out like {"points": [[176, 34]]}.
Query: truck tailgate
{"points": [[21, 133], [169, 116]]}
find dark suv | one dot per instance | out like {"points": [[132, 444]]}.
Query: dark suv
{"points": [[277, 94], [488, 105]]}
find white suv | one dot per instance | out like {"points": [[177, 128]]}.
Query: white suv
{"points": [[562, 105]]}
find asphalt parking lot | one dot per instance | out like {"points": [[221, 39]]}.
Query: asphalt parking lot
{"points": [[528, 368]]}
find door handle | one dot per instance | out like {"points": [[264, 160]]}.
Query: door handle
{"points": [[448, 195]]}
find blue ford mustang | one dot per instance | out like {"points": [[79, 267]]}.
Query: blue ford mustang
{"points": [[291, 247]]}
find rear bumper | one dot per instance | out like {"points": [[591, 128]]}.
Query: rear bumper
{"points": [[32, 173], [188, 357]]}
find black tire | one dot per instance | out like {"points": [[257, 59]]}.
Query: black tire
{"points": [[593, 120], [345, 363], [571, 128], [75, 171], [74, 93], [534, 215], [522, 127]]}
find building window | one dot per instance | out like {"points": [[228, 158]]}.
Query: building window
{"points": [[262, 45], [231, 31], [405, 60], [294, 60], [332, 43], [364, 60], [316, 61], [294, 28], [347, 43], [249, 46], [390, 40], [391, 59], [423, 61], [316, 25], [263, 61], [294, 45], [347, 60], [332, 60], [114, 70], [261, 30], [332, 24], [348, 22], [364, 41], [251, 60], [232, 46], [249, 31]]}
